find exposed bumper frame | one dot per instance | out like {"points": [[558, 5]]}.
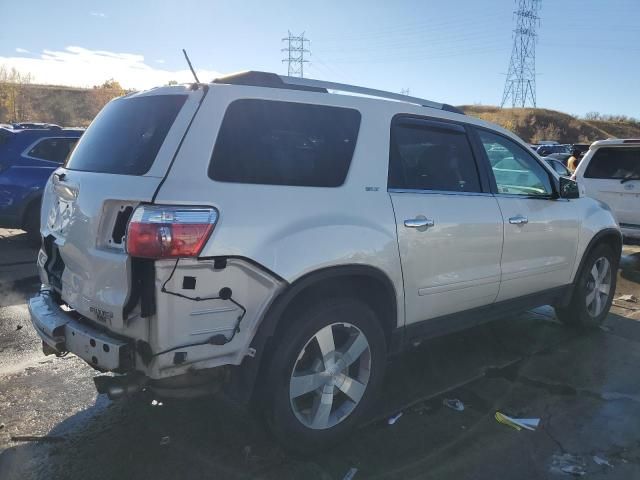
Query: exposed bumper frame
{"points": [[64, 331]]}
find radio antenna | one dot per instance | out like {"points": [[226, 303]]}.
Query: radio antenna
{"points": [[190, 66]]}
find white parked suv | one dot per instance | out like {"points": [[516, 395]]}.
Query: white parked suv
{"points": [[610, 172], [262, 235]]}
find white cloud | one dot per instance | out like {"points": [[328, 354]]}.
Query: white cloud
{"points": [[98, 14], [22, 50], [160, 60], [81, 67]]}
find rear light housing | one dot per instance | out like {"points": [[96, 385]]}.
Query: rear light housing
{"points": [[157, 231]]}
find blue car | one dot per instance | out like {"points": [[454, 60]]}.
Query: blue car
{"points": [[28, 157]]}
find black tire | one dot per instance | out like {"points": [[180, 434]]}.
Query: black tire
{"points": [[31, 223], [303, 326], [576, 314]]}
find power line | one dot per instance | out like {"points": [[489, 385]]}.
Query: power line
{"points": [[296, 48], [520, 85]]}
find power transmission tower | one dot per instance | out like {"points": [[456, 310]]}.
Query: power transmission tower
{"points": [[520, 86], [296, 48], [404, 91]]}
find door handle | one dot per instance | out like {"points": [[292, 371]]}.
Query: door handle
{"points": [[518, 220], [419, 222]]}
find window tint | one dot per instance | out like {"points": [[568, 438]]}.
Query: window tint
{"points": [[126, 135], [516, 172], [53, 149], [615, 163], [430, 158], [282, 143]]}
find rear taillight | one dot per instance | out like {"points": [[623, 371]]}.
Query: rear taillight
{"points": [[169, 232]]}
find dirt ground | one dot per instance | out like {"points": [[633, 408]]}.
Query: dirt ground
{"points": [[584, 389]]}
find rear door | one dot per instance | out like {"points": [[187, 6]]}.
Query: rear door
{"points": [[449, 227], [613, 177], [119, 162]]}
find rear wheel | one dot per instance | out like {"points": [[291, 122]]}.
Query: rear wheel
{"points": [[594, 290], [328, 366]]}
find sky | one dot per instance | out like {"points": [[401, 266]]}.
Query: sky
{"points": [[455, 51]]}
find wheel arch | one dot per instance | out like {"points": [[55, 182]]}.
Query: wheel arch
{"points": [[608, 236], [365, 282]]}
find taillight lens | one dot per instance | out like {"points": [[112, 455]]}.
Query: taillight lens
{"points": [[156, 231]]}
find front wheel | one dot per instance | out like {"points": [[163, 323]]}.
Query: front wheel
{"points": [[594, 290], [327, 368]]}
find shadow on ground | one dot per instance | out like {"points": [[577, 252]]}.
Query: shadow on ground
{"points": [[582, 386]]}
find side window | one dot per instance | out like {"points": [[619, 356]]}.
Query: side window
{"points": [[614, 163], [516, 172], [426, 157], [284, 143], [53, 149]]}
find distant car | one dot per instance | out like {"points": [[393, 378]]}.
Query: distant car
{"points": [[561, 157], [28, 156], [557, 165], [544, 150], [610, 172]]}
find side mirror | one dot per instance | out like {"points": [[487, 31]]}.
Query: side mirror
{"points": [[568, 188]]}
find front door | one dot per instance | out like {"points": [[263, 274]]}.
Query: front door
{"points": [[540, 230], [449, 229]]}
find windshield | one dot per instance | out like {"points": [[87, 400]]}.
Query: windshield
{"points": [[126, 135]]}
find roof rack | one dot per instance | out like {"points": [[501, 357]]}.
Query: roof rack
{"points": [[272, 80]]}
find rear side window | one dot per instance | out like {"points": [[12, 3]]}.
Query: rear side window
{"points": [[126, 135], [53, 149], [614, 163], [283, 143], [427, 157]]}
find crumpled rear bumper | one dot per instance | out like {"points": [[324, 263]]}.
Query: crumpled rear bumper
{"points": [[64, 331]]}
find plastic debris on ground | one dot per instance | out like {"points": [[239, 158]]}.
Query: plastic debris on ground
{"points": [[156, 403], [454, 404], [394, 419], [601, 461], [165, 440], [350, 474], [628, 298], [568, 464], [517, 423]]}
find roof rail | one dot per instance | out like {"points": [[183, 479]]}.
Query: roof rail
{"points": [[266, 79]]}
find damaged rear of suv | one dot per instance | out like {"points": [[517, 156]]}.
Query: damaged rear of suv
{"points": [[261, 235]]}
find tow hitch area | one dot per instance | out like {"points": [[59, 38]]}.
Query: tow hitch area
{"points": [[120, 386]]}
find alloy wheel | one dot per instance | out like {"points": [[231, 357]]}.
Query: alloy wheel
{"points": [[598, 286], [330, 376]]}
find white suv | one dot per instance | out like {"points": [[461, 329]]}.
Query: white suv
{"points": [[263, 235], [610, 172]]}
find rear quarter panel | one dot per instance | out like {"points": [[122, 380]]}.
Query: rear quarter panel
{"points": [[293, 231]]}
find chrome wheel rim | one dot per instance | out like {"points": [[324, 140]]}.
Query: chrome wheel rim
{"points": [[330, 376], [598, 286]]}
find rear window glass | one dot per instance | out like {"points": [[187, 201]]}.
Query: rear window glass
{"points": [[283, 143], [126, 135], [614, 163]]}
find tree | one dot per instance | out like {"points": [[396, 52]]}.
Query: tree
{"points": [[14, 101], [172, 82]]}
